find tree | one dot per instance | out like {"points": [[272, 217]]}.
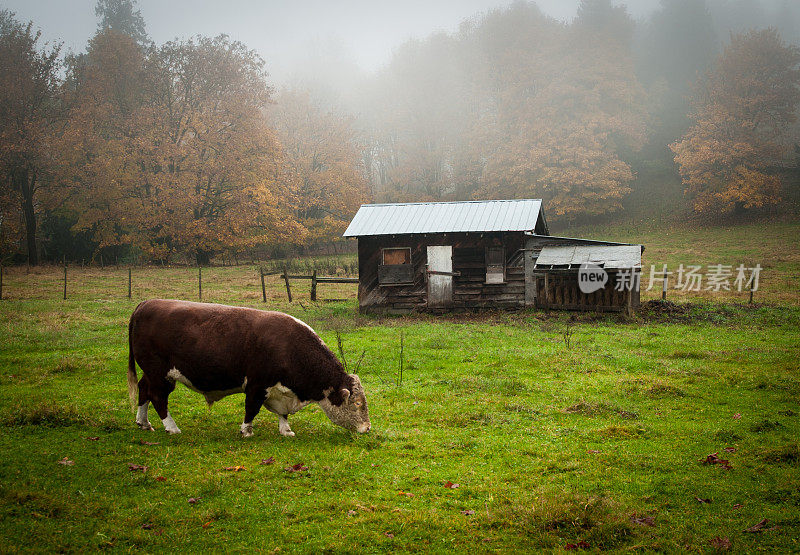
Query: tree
{"points": [[560, 126], [123, 17], [28, 109], [170, 150], [322, 154], [729, 157]]}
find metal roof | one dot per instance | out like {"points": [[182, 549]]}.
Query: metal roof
{"points": [[612, 257], [446, 217]]}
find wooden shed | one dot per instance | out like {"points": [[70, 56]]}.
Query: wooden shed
{"points": [[442, 256]]}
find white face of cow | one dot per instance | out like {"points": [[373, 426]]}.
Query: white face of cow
{"points": [[352, 414]]}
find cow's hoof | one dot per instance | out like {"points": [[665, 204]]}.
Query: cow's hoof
{"points": [[288, 434], [247, 434], [173, 432], [146, 427]]}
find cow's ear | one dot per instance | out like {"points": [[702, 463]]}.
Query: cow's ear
{"points": [[345, 393]]}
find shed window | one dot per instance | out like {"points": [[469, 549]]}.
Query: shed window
{"points": [[396, 267], [397, 256], [495, 265]]}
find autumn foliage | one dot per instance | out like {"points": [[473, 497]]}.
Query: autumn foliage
{"points": [[169, 149], [729, 158]]}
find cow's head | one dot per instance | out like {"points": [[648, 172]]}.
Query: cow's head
{"points": [[347, 407]]}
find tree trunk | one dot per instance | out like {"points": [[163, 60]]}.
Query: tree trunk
{"points": [[202, 257], [27, 189]]}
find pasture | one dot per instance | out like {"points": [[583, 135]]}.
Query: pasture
{"points": [[506, 432]]}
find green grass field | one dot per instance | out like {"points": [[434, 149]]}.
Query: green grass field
{"points": [[560, 432]]}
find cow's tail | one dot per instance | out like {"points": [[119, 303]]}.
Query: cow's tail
{"points": [[133, 385]]}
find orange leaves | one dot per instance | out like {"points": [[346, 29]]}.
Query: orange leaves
{"points": [[169, 149], [727, 158], [323, 169]]}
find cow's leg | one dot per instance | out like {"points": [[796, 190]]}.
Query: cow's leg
{"points": [[159, 393], [254, 398], [283, 425], [144, 402]]}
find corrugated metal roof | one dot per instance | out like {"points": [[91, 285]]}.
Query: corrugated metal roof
{"points": [[445, 217], [612, 257]]}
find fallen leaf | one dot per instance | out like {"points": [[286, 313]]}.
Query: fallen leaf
{"points": [[643, 520], [406, 493], [207, 525], [738, 506], [737, 416], [388, 535], [593, 452], [720, 543], [234, 468], [468, 512], [137, 467], [730, 449], [713, 458], [93, 438], [270, 460], [161, 479], [450, 485], [701, 500], [351, 512], [193, 500], [296, 468], [143, 442], [66, 462], [757, 527], [147, 526]]}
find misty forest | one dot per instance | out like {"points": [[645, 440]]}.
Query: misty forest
{"points": [[185, 151]]}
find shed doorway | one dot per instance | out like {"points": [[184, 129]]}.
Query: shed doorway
{"points": [[440, 275]]}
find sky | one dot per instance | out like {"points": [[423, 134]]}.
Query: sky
{"points": [[283, 32]]}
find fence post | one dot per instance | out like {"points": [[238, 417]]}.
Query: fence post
{"points": [[129, 283], [200, 282], [664, 285], [263, 287], [751, 292], [314, 285], [286, 279], [65, 279]]}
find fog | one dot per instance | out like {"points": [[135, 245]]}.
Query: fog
{"points": [[286, 32], [645, 110]]}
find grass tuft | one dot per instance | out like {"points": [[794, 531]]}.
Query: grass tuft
{"points": [[621, 432], [786, 454], [599, 409], [766, 425]]}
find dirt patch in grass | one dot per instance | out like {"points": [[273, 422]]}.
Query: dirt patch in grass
{"points": [[658, 311]]}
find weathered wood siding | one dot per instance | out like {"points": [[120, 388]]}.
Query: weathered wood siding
{"points": [[470, 289], [560, 290]]}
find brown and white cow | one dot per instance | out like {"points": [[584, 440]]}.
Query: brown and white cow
{"points": [[274, 359]]}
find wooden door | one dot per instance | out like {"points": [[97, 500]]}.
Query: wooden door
{"points": [[440, 275]]}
